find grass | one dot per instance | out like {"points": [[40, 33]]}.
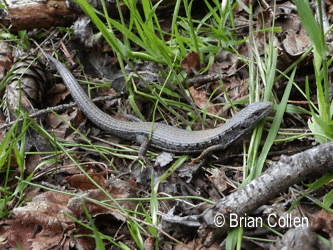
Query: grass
{"points": [[187, 34]]}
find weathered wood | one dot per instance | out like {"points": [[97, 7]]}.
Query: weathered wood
{"points": [[30, 14], [288, 171]]}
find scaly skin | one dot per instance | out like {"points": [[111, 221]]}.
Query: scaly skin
{"points": [[165, 137]]}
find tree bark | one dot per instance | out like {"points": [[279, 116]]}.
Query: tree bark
{"points": [[30, 14], [281, 175]]}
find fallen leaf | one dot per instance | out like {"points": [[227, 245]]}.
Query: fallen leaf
{"points": [[190, 62], [200, 97]]}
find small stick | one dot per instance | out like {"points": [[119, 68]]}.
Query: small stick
{"points": [[289, 170], [59, 108]]}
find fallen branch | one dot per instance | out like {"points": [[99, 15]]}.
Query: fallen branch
{"points": [[59, 108], [289, 170], [281, 175]]}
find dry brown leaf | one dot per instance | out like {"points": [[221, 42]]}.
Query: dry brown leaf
{"points": [[296, 45], [53, 197], [77, 118], [217, 177], [149, 243], [75, 203], [82, 242], [54, 121], [195, 244], [190, 62], [46, 214], [81, 182], [117, 189], [6, 59], [31, 162], [200, 98], [299, 238], [13, 232], [322, 220], [44, 241]]}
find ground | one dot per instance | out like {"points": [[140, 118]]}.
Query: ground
{"points": [[68, 184]]}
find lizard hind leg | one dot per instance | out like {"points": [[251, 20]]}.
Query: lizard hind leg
{"points": [[207, 152], [144, 143]]}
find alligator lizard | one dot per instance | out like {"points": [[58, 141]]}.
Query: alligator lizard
{"points": [[162, 136]]}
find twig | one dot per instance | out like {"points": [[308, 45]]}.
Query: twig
{"points": [[60, 108], [288, 171], [200, 80], [188, 99]]}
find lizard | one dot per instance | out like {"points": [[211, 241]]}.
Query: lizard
{"points": [[162, 136]]}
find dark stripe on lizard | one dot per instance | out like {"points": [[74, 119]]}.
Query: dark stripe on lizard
{"points": [[165, 137]]}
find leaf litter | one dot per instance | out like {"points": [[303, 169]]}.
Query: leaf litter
{"points": [[32, 224]]}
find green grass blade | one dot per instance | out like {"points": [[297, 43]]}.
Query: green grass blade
{"points": [[135, 233], [328, 199], [234, 238], [311, 26], [275, 126], [98, 240]]}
